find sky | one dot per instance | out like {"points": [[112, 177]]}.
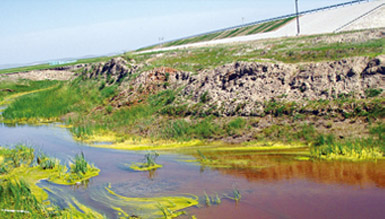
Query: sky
{"points": [[41, 30]]}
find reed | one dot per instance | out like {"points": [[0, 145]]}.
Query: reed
{"points": [[80, 166]]}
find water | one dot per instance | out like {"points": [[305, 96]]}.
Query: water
{"points": [[286, 188]]}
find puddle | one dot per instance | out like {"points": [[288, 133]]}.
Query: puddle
{"points": [[282, 187]]}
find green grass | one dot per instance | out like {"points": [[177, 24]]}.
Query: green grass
{"points": [[46, 162], [19, 196], [16, 157], [8, 88], [234, 125], [288, 133], [80, 164], [289, 50], [183, 130], [75, 96], [333, 51], [16, 195], [48, 66], [368, 148]]}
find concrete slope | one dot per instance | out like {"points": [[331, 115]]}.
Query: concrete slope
{"points": [[327, 21], [374, 19], [330, 20]]}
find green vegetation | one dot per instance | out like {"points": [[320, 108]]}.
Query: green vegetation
{"points": [[320, 52], [288, 133], [234, 125], [18, 201], [48, 66], [369, 148], [93, 111], [373, 92], [20, 197], [16, 196], [148, 164], [80, 166], [11, 89], [216, 200], [236, 195], [182, 130], [46, 162], [289, 50], [75, 96]]}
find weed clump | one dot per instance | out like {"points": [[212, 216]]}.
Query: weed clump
{"points": [[80, 166], [148, 164], [46, 162], [369, 148]]}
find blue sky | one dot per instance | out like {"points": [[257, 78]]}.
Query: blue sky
{"points": [[41, 30]]}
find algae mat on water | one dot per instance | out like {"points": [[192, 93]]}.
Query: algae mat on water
{"points": [[19, 194], [146, 207]]}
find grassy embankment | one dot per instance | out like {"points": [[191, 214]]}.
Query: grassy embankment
{"points": [[159, 121], [288, 50], [21, 169], [51, 104], [241, 31]]}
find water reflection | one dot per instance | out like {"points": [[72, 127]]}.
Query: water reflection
{"points": [[363, 174]]}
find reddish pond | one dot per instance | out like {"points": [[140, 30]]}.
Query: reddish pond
{"points": [[283, 188]]}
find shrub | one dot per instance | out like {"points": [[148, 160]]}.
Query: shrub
{"points": [[372, 92], [204, 97]]}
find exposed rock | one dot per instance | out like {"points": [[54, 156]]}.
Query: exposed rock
{"points": [[242, 88], [246, 88], [150, 82], [113, 71]]}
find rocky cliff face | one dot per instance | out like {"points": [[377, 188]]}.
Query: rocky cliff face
{"points": [[113, 71], [244, 87]]}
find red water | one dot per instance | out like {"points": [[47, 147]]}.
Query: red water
{"points": [[286, 188]]}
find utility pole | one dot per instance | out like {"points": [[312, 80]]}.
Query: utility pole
{"points": [[297, 15]]}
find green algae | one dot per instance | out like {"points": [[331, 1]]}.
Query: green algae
{"points": [[18, 164], [302, 158], [85, 212], [154, 204], [144, 167], [118, 142], [148, 164], [71, 178], [146, 207]]}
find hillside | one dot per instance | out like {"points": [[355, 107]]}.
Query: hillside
{"points": [[212, 130], [269, 89]]}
